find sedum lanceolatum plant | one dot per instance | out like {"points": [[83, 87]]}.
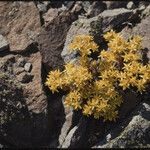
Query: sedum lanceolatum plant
{"points": [[93, 84]]}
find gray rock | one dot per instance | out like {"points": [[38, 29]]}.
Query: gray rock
{"points": [[146, 12], [28, 67], [95, 26], [65, 128], [67, 142], [135, 134], [131, 5], [21, 62], [4, 45]]}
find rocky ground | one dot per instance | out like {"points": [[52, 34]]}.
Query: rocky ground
{"points": [[33, 40]]}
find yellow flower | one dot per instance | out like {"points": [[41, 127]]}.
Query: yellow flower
{"points": [[84, 44], [54, 80], [73, 99], [93, 83]]}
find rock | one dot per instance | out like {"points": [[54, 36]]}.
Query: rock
{"points": [[51, 39], [96, 8], [3, 43], [25, 77], [21, 62], [20, 23], [130, 100], [50, 15], [130, 5], [33, 129], [146, 12], [135, 132], [95, 26], [115, 4], [28, 67], [143, 3], [84, 134], [67, 142], [65, 128], [115, 17]]}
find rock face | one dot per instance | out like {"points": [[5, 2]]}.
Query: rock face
{"points": [[51, 39], [135, 134], [34, 39], [32, 129], [95, 26], [20, 23]]}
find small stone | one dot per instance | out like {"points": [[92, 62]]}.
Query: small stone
{"points": [[3, 43], [21, 62], [28, 67], [130, 5]]}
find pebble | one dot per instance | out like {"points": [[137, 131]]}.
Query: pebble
{"points": [[28, 67]]}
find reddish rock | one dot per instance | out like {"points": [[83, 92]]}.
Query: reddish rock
{"points": [[52, 38], [20, 23]]}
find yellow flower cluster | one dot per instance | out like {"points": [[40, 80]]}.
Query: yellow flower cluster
{"points": [[93, 84], [83, 44]]}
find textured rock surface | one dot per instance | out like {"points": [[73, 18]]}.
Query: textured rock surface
{"points": [[52, 38], [135, 134], [95, 26], [31, 116], [20, 23], [31, 130]]}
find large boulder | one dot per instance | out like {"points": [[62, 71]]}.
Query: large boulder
{"points": [[133, 132], [20, 23], [29, 124], [95, 26], [52, 37]]}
